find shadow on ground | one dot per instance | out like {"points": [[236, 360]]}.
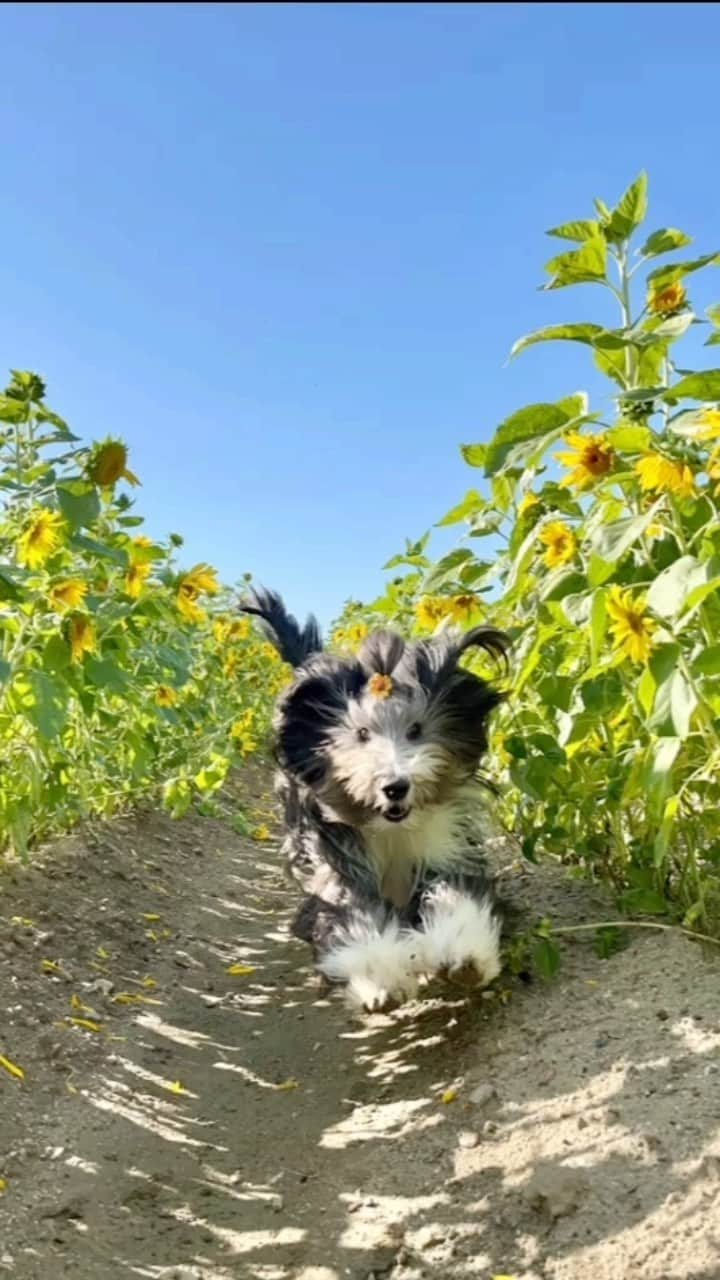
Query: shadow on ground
{"points": [[222, 1124]]}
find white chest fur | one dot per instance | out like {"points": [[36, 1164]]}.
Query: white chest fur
{"points": [[430, 838]]}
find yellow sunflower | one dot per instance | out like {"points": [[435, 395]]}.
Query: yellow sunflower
{"points": [[527, 502], [352, 636], [68, 595], [108, 464], [461, 607], [431, 610], [631, 628], [560, 541], [380, 686], [658, 474], [135, 579], [165, 696], [200, 580], [589, 458], [41, 537], [665, 301], [81, 634]]}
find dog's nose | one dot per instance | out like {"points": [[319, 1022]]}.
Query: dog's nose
{"points": [[398, 789]]}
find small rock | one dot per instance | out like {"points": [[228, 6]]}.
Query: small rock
{"points": [[489, 1128], [483, 1094], [582, 1122], [467, 1139], [662, 1014]]}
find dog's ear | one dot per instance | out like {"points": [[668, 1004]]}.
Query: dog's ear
{"points": [[381, 652], [308, 712], [436, 659]]}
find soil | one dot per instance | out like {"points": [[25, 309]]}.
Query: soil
{"points": [[194, 1122]]}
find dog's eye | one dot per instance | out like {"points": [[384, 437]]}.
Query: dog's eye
{"points": [[363, 735], [414, 732]]}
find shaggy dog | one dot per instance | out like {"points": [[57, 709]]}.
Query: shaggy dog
{"points": [[378, 757]]}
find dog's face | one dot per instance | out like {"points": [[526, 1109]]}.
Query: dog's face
{"points": [[391, 732]]}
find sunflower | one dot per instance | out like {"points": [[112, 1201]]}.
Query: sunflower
{"points": [[590, 458], [68, 595], [658, 474], [41, 537], [529, 500], [108, 463], [380, 686], [560, 541], [352, 636], [631, 627], [431, 610], [667, 299], [199, 580], [461, 607], [81, 634], [135, 579], [165, 696]]}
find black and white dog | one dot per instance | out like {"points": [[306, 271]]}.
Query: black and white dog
{"points": [[378, 757]]}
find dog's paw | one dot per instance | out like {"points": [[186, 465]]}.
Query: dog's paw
{"points": [[378, 970], [462, 939], [466, 975]]}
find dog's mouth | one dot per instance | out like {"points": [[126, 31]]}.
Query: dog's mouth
{"points": [[395, 813]]}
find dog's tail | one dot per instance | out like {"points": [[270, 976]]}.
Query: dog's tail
{"points": [[293, 642]]}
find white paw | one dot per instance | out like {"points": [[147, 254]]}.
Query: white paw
{"points": [[461, 935], [378, 967]]}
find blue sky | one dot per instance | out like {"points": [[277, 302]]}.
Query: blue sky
{"points": [[283, 250]]}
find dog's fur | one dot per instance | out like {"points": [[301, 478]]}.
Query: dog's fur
{"points": [[382, 803]]}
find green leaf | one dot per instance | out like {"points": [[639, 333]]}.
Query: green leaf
{"points": [[662, 276], [664, 241], [9, 588], [5, 671], [474, 454], [608, 940], [675, 702], [630, 439], [546, 958], [103, 673], [79, 503], [586, 265], [556, 333], [643, 902], [611, 541], [56, 655], [670, 589], [49, 706], [707, 663], [598, 624], [12, 410], [471, 503], [527, 424], [561, 583], [696, 386], [446, 569], [603, 693], [657, 774], [629, 212], [102, 549], [583, 229], [662, 839]]}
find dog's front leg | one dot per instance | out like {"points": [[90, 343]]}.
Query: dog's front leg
{"points": [[375, 958], [460, 928]]}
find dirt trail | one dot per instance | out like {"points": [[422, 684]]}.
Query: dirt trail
{"points": [[583, 1140]]}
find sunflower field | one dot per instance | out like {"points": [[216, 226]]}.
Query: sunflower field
{"points": [[602, 528], [120, 672]]}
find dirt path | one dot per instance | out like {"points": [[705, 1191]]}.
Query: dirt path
{"points": [[583, 1140]]}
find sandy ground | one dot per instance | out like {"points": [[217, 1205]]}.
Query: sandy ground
{"points": [[239, 1124]]}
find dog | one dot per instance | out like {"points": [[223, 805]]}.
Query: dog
{"points": [[378, 758]]}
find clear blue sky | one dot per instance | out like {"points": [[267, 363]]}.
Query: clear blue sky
{"points": [[284, 249]]}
